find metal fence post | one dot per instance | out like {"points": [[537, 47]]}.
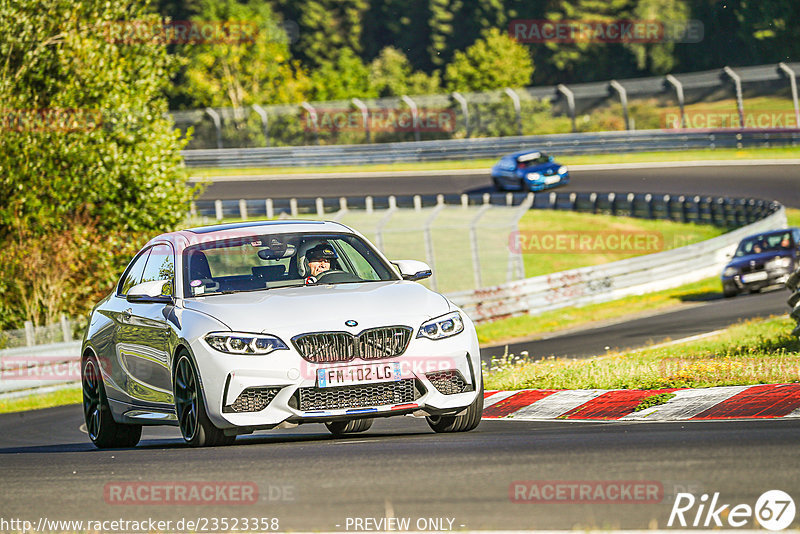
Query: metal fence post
{"points": [[458, 97], [784, 68], [218, 209], [30, 335], [314, 119], [320, 207], [217, 124], [264, 120], [269, 208], [570, 96], [383, 222], [66, 328], [473, 244], [414, 115], [515, 100], [678, 86], [515, 261], [357, 102], [243, 209], [293, 207], [429, 251], [368, 204], [737, 83], [623, 99]]}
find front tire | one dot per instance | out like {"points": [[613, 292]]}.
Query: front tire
{"points": [[104, 432], [465, 422], [196, 428], [340, 428]]}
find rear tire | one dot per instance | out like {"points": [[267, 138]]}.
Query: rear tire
{"points": [[196, 428], [104, 432], [465, 422], [340, 428]]}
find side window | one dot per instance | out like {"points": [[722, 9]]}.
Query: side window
{"points": [[133, 275], [160, 266]]}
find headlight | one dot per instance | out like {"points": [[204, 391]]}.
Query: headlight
{"points": [[730, 271], [778, 263], [442, 327], [242, 343], [533, 176], [562, 169]]}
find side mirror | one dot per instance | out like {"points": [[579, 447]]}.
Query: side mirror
{"points": [[412, 269], [150, 292]]}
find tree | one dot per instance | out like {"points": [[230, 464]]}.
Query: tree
{"points": [[341, 78], [391, 74], [85, 140], [255, 69], [493, 62]]}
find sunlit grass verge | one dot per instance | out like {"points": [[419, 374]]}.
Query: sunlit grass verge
{"points": [[496, 332], [69, 395], [588, 159], [654, 400], [754, 352]]}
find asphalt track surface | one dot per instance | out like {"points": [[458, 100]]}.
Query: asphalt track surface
{"points": [[311, 481], [771, 182]]}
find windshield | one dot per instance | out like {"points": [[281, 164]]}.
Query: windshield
{"points": [[764, 243], [280, 260], [535, 158]]}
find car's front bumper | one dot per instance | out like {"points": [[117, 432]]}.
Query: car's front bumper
{"points": [[756, 280], [282, 374]]}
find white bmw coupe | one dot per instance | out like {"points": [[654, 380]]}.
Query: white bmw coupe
{"points": [[228, 329]]}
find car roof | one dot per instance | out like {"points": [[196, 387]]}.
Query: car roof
{"points": [[523, 152], [191, 236]]}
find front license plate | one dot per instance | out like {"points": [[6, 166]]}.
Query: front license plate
{"points": [[754, 277], [552, 179], [358, 374]]}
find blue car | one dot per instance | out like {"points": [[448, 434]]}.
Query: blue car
{"points": [[531, 170], [762, 260]]}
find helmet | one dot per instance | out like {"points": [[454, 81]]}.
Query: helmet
{"points": [[321, 251]]}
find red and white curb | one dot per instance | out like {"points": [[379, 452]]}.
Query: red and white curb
{"points": [[764, 401]]}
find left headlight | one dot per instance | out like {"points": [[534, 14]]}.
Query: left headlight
{"points": [[244, 343], [562, 169], [730, 271], [442, 327]]}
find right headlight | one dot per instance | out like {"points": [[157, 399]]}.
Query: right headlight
{"points": [[730, 271], [442, 327], [533, 176]]}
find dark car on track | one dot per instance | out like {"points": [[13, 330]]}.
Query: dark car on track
{"points": [[530, 170], [762, 260]]}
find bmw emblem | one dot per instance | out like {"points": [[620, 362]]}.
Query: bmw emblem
{"points": [[351, 323]]}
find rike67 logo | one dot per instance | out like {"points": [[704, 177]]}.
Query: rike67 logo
{"points": [[774, 510]]}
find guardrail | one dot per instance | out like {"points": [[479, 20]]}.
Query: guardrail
{"points": [[793, 284], [615, 280], [458, 149], [25, 368]]}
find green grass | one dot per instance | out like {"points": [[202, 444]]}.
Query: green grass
{"points": [[754, 352], [589, 159], [654, 400], [793, 216], [70, 395], [506, 330], [667, 234]]}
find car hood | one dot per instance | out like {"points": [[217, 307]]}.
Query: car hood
{"points": [[759, 258], [324, 307], [542, 167]]}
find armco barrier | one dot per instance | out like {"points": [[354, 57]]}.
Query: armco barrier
{"points": [[530, 296], [793, 284], [603, 283], [491, 147]]}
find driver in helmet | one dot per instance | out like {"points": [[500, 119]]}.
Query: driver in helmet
{"points": [[319, 258]]}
